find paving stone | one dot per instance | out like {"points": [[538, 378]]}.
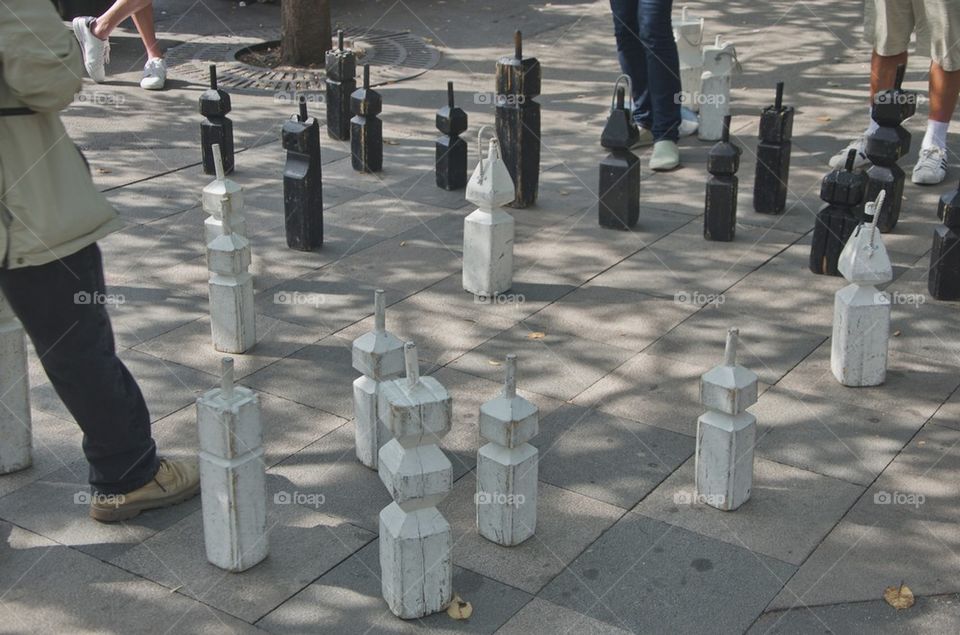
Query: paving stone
{"points": [[949, 413], [558, 365], [304, 545], [348, 600], [141, 250], [788, 514], [766, 348], [547, 617], [605, 457], [922, 329], [624, 319], [422, 188], [567, 523], [820, 434], [56, 444], [646, 576], [914, 385], [56, 506], [191, 346], [341, 173], [929, 615]]}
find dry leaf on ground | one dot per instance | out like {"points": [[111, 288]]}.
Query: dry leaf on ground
{"points": [[459, 610], [536, 335], [899, 597]]}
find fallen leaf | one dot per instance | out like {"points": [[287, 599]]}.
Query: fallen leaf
{"points": [[403, 243], [921, 442], [494, 362], [459, 610], [824, 118], [896, 333], [536, 335], [391, 142], [564, 192], [899, 597], [103, 171]]}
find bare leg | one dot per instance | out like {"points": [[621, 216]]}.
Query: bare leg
{"points": [[883, 71], [143, 19], [944, 89], [117, 13]]}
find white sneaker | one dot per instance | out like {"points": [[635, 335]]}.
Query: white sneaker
{"points": [[689, 123], [840, 159], [645, 138], [96, 52], [665, 156], [154, 74], [931, 167]]}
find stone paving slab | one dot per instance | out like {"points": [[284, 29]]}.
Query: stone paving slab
{"points": [[614, 460], [788, 514], [54, 589], [646, 576], [948, 415], [567, 523], [304, 544], [939, 614], [348, 600], [547, 617], [56, 444]]}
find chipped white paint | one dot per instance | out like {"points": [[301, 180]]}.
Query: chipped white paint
{"points": [[688, 32], [15, 428], [714, 99], [726, 432], [416, 566], [232, 318], [861, 312], [379, 356], [222, 197], [488, 232], [232, 475], [506, 497]]}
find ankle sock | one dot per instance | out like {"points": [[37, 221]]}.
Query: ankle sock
{"points": [[936, 134], [873, 125]]}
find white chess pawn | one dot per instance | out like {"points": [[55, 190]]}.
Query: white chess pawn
{"points": [[222, 197]]}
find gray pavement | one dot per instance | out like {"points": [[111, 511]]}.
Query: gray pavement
{"points": [[615, 372]]}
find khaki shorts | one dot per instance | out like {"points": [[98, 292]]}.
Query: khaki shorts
{"points": [[889, 23]]}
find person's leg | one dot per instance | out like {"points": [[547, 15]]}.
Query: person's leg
{"points": [[143, 20], [60, 305], [883, 71], [663, 67], [119, 11], [632, 58]]}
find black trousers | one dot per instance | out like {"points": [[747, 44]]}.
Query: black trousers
{"points": [[61, 307]]}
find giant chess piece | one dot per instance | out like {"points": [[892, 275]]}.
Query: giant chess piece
{"points": [[232, 317], [222, 197], [341, 82], [217, 129], [726, 433], [366, 129], [518, 120], [15, 428], [688, 32], [377, 354], [232, 475], [861, 313], [842, 191], [718, 65], [885, 146], [488, 232], [451, 158], [302, 181], [944, 277], [720, 204], [416, 565], [506, 496], [619, 204], [773, 157]]}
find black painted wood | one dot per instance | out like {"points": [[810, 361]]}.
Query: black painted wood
{"points": [[451, 150], [302, 181], [218, 128], [619, 204], [366, 129], [773, 157], [518, 121], [944, 278], [720, 201], [341, 65], [842, 191]]}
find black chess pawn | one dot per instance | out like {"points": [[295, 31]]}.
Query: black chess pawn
{"points": [[944, 277], [619, 204], [773, 157], [366, 129], [451, 159], [518, 120], [217, 129], [341, 82], [302, 181], [720, 204], [842, 193]]}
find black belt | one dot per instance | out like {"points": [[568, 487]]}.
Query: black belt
{"points": [[15, 112]]}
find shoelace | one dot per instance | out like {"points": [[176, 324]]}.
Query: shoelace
{"points": [[106, 52], [931, 158], [152, 68]]}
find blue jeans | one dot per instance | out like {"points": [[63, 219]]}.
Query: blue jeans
{"points": [[648, 54]]}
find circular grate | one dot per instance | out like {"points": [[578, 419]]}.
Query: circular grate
{"points": [[393, 56]]}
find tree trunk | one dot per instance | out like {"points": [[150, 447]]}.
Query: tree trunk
{"points": [[305, 32]]}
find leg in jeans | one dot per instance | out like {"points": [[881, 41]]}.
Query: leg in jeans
{"points": [[663, 67], [70, 329], [633, 62]]}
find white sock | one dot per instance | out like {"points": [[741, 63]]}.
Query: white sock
{"points": [[936, 134], [873, 125]]}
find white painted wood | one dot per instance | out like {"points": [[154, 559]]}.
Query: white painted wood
{"points": [[714, 98], [15, 424], [488, 232], [377, 354], [726, 432], [232, 475], [416, 566], [232, 317], [222, 197], [688, 32], [861, 312]]}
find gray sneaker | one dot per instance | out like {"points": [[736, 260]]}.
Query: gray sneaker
{"points": [[665, 157], [96, 52]]}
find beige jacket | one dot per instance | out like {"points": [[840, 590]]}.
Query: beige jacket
{"points": [[49, 207]]}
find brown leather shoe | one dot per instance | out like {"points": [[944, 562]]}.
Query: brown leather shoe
{"points": [[175, 482]]}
